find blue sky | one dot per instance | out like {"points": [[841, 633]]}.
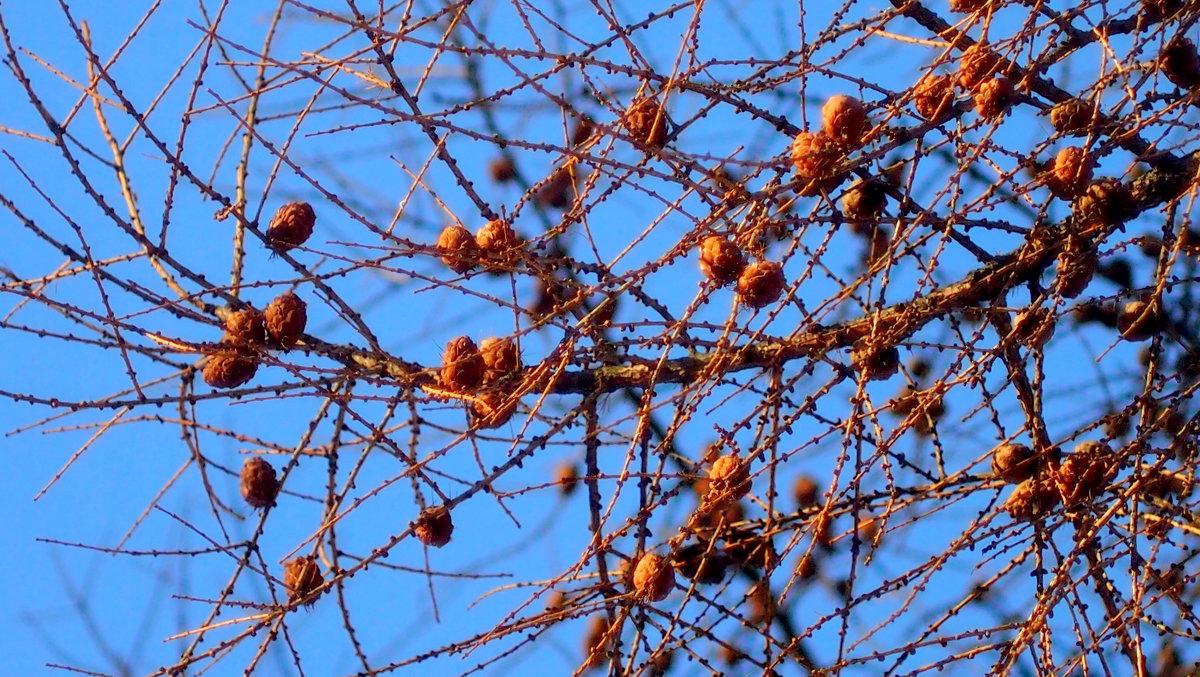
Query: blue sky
{"points": [[93, 610]]}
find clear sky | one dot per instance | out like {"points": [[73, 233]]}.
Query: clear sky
{"points": [[113, 613]]}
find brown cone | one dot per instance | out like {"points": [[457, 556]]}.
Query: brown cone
{"points": [[229, 368], [815, 156], [259, 485], [302, 576], [1140, 320], [1180, 63], [844, 119], [646, 122], [933, 97], [876, 363], [596, 642], [501, 358], [806, 491], [1085, 472], [696, 563], [502, 170], [721, 260], [245, 327], [457, 249], [1014, 462], [728, 481], [993, 97], [977, 65], [285, 319], [499, 245], [1072, 116], [1070, 173], [434, 526], [462, 365], [492, 409], [865, 200], [567, 477], [291, 226], [1032, 499], [1106, 201], [760, 283], [749, 550], [653, 577], [1077, 264]]}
